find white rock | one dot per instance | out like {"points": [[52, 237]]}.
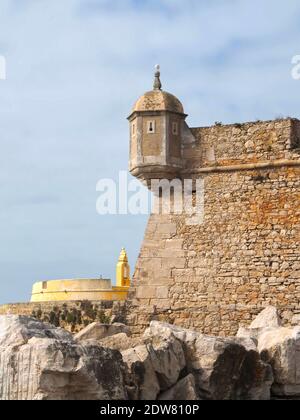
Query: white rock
{"points": [[224, 368], [141, 377], [16, 330], [281, 348], [36, 367], [168, 360], [119, 342], [163, 330], [184, 390], [98, 331], [253, 333], [269, 317]]}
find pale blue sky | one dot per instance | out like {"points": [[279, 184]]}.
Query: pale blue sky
{"points": [[74, 69]]}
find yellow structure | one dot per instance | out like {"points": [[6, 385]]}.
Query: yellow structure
{"points": [[123, 270], [85, 289]]}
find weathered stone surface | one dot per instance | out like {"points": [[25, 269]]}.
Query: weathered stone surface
{"points": [[155, 366], [269, 317], [167, 331], [120, 342], [244, 254], [141, 377], [168, 360], [184, 390], [224, 368], [38, 362], [16, 330], [281, 348], [268, 320], [98, 331]]}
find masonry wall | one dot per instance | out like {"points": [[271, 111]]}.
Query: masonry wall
{"points": [[245, 255], [72, 316]]}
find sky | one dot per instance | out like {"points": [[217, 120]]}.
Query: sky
{"points": [[74, 70]]}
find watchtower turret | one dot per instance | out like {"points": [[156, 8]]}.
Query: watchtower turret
{"points": [[157, 124]]}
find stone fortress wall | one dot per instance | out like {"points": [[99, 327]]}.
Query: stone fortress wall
{"points": [[245, 255], [71, 315], [215, 275]]}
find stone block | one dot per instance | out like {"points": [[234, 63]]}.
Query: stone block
{"points": [[162, 292], [146, 292]]}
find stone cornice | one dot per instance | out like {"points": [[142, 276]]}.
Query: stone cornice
{"points": [[244, 167]]}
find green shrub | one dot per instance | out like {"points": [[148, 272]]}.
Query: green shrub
{"points": [[102, 317]]}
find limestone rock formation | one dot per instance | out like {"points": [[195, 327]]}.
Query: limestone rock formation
{"points": [[97, 331], [223, 367], [119, 342], [184, 390], [168, 360], [269, 317], [141, 377], [16, 330], [155, 366], [267, 320], [281, 348], [40, 362]]}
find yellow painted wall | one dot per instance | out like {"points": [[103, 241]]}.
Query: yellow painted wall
{"points": [[123, 270], [77, 289]]}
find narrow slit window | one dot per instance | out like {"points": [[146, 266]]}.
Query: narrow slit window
{"points": [[133, 129], [175, 128], [151, 127]]}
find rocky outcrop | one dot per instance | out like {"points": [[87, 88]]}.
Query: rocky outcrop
{"points": [[154, 367], [40, 362], [168, 360], [280, 347], [120, 342], [141, 379], [184, 390], [269, 317], [97, 331], [17, 330], [267, 320], [223, 368]]}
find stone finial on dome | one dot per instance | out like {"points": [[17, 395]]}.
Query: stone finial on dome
{"points": [[157, 83], [123, 256]]}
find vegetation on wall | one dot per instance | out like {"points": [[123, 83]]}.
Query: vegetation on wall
{"points": [[73, 318]]}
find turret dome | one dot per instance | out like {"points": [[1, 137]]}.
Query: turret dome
{"points": [[157, 133], [158, 100]]}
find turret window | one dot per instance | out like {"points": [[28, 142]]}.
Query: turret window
{"points": [[133, 128], [175, 128], [151, 127]]}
